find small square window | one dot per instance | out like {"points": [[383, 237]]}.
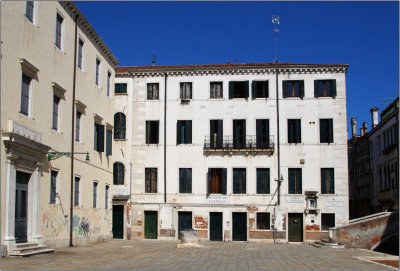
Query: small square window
{"points": [[324, 88], [238, 89], [120, 88], [327, 221], [259, 89], [186, 91]]}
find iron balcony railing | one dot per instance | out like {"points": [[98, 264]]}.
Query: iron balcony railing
{"points": [[239, 143]]}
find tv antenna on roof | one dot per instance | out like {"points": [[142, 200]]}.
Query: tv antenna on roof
{"points": [[154, 60], [275, 21]]}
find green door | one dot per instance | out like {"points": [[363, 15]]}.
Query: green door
{"points": [[239, 226], [21, 206], [296, 227], [184, 222], [215, 226], [150, 224], [118, 221]]}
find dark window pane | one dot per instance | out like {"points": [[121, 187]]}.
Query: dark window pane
{"points": [[94, 195], [152, 132], [326, 130], [106, 196], [26, 81], [119, 126], [294, 131], [121, 88], [327, 221], [327, 181], [80, 53], [263, 221], [151, 180], [29, 10], [262, 134], [152, 91], [53, 185], [216, 180], [76, 191], [186, 90], [78, 126], [59, 30], [118, 173], [56, 102], [263, 181], [184, 132], [295, 181], [108, 142], [239, 181], [97, 71], [185, 180], [239, 89]]}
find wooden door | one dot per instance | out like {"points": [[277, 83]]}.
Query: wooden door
{"points": [[184, 222], [150, 225], [118, 221], [215, 226], [239, 226], [296, 227], [21, 206]]}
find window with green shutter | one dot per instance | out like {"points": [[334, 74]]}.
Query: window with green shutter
{"points": [[325, 88], [293, 88], [238, 89], [259, 89], [326, 130], [294, 131], [239, 181], [185, 180], [263, 186], [184, 132]]}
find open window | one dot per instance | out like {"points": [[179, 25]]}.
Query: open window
{"points": [[259, 89], [238, 89], [152, 132]]}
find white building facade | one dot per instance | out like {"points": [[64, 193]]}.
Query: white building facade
{"points": [[207, 152]]}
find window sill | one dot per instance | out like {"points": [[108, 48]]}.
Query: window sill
{"points": [[216, 99], [325, 97], [29, 117], [98, 86], [153, 144], [122, 139], [27, 20], [293, 98], [244, 98], [262, 194], [261, 98], [185, 144], [326, 143], [120, 94], [153, 100], [59, 49], [262, 230], [56, 131]]}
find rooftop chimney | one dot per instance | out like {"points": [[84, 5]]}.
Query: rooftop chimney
{"points": [[362, 131], [353, 127], [374, 117], [365, 127]]}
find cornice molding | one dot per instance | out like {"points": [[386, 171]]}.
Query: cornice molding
{"points": [[225, 71]]}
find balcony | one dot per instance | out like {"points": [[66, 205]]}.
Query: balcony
{"points": [[249, 144]]}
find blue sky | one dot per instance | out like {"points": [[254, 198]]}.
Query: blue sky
{"points": [[364, 35]]}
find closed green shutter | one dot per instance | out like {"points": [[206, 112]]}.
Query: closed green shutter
{"points": [[316, 88], [284, 86], [188, 139], [231, 89], [301, 86], [100, 138], [253, 90], [298, 131], [147, 132], [246, 94], [108, 142], [224, 181], [330, 127], [333, 88], [267, 89], [178, 132]]}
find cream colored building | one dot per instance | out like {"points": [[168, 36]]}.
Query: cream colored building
{"points": [[41, 114]]}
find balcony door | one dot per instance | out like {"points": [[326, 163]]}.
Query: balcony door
{"points": [[239, 134], [216, 134]]}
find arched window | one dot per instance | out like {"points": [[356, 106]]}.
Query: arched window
{"points": [[119, 125], [118, 173]]}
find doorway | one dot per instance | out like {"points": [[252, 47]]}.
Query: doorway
{"points": [[184, 222], [296, 227], [239, 226], [118, 221], [21, 206], [150, 225], [215, 226]]}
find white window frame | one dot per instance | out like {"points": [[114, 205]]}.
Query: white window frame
{"points": [[109, 79], [80, 126], [97, 194], [30, 103], [80, 191], [57, 199], [34, 15], [62, 31], [98, 82], [59, 114], [82, 68]]}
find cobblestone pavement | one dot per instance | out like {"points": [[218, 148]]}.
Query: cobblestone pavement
{"points": [[163, 255]]}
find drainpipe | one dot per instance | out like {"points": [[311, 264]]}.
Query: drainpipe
{"points": [[73, 139], [165, 137], [278, 138]]}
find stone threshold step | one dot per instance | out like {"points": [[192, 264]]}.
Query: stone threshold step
{"points": [[29, 248], [31, 253]]}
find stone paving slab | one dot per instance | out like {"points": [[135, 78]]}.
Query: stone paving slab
{"points": [[164, 255]]}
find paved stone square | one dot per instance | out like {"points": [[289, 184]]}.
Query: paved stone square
{"points": [[163, 255]]}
